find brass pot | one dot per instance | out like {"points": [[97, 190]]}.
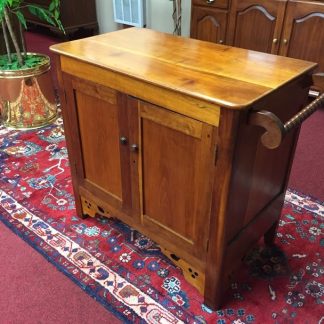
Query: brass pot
{"points": [[27, 98]]}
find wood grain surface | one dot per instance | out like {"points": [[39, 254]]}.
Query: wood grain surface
{"points": [[223, 75]]}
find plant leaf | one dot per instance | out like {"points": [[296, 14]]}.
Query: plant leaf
{"points": [[56, 14], [60, 26], [52, 6], [3, 4], [41, 13], [21, 18]]}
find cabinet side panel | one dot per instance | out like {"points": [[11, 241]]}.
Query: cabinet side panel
{"points": [[260, 174]]}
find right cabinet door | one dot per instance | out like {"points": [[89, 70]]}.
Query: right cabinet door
{"points": [[303, 34], [176, 164], [256, 24]]}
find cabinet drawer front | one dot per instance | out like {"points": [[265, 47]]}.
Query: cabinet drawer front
{"points": [[211, 3]]}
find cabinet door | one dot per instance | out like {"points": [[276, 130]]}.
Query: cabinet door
{"points": [[176, 168], [256, 24], [208, 24], [303, 36], [96, 119]]}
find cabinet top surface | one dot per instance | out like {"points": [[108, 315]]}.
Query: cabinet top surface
{"points": [[224, 75]]}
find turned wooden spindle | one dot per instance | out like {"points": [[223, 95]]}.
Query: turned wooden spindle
{"points": [[275, 128]]}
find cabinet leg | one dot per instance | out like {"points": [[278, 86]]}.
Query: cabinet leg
{"points": [[214, 301], [270, 235], [216, 283], [79, 208]]}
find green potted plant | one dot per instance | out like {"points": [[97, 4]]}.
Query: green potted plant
{"points": [[27, 97]]}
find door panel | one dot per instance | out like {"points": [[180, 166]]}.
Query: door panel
{"points": [[101, 122], [176, 155], [256, 25], [209, 24], [303, 32], [99, 132]]}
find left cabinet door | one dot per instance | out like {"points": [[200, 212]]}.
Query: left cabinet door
{"points": [[208, 24], [95, 119]]}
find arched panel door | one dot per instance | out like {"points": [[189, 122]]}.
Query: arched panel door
{"points": [[209, 25], [256, 25], [303, 30]]}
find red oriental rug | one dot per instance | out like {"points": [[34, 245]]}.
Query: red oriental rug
{"points": [[126, 272]]}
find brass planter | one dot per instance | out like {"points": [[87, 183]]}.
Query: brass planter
{"points": [[27, 98]]}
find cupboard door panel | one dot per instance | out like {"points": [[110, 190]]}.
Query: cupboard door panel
{"points": [[101, 123], [209, 24], [256, 25], [100, 140], [176, 155], [304, 32]]}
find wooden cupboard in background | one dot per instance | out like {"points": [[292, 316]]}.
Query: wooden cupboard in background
{"points": [[78, 17], [293, 28]]}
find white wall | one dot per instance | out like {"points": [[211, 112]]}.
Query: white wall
{"points": [[105, 16], [158, 16]]}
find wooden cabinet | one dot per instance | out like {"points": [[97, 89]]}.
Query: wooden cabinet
{"points": [[293, 28], [166, 142], [141, 144], [78, 18]]}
